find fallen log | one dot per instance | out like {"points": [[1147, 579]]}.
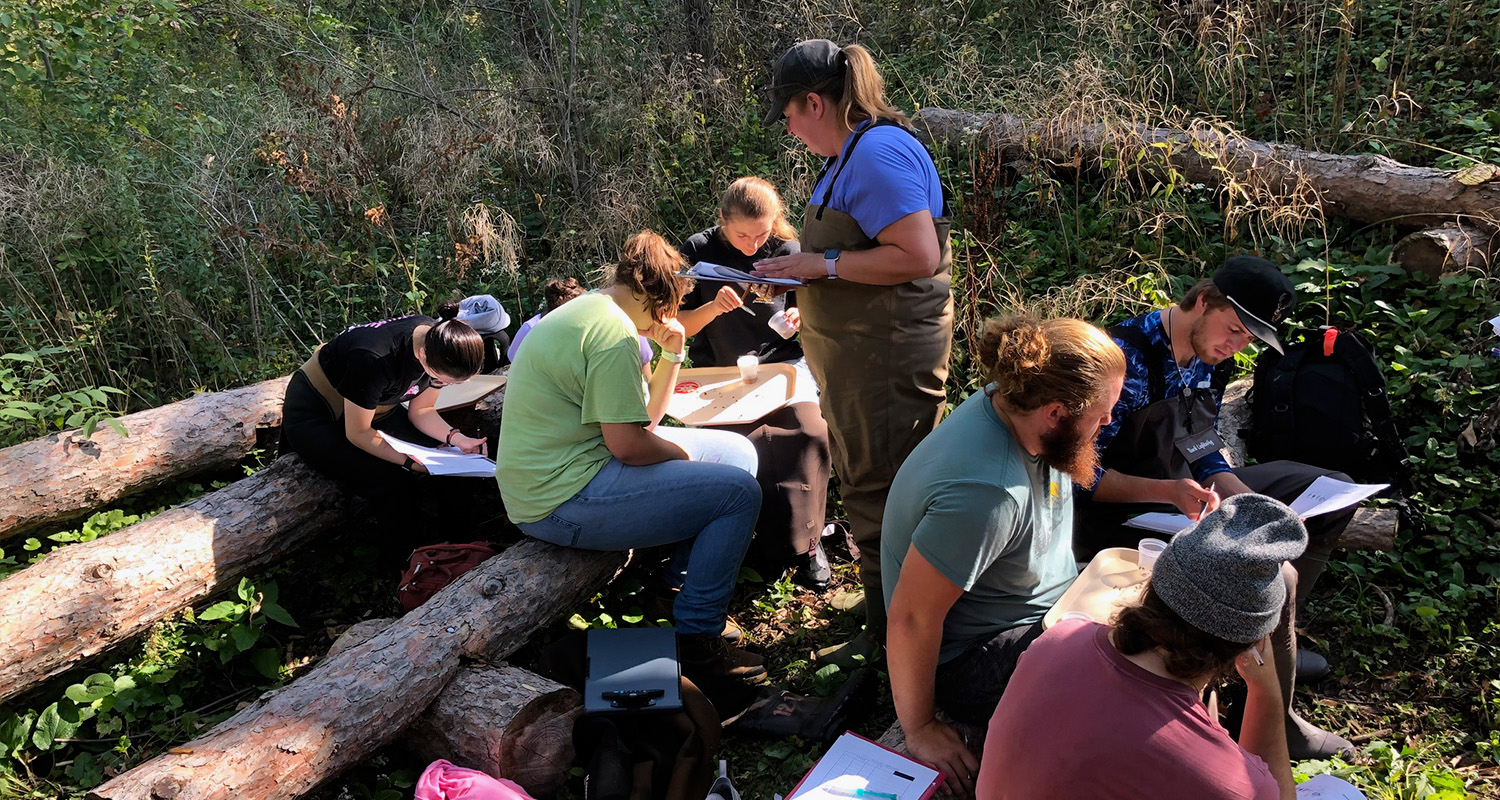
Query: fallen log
{"points": [[295, 738], [56, 478], [501, 720], [1451, 248], [1371, 528], [1365, 188], [80, 600]]}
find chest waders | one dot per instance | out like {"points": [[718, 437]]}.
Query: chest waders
{"points": [[880, 357]]}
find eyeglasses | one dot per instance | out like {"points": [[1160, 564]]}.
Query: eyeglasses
{"points": [[438, 383]]}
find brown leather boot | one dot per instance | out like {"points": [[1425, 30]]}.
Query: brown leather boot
{"points": [[706, 657]]}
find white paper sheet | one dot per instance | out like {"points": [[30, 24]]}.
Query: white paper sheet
{"points": [[1328, 787], [445, 460], [718, 272], [1327, 495], [1495, 323], [855, 767], [1323, 496], [1160, 521]]}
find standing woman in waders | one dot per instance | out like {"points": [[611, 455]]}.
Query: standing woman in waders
{"points": [[877, 311], [348, 395]]}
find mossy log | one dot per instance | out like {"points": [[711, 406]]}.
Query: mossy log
{"points": [[1365, 188], [82, 599], [295, 738], [54, 479], [498, 719]]}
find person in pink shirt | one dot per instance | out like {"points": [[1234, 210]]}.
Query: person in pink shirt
{"points": [[1117, 711]]}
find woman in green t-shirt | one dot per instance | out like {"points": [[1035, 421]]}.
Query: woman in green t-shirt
{"points": [[582, 462]]}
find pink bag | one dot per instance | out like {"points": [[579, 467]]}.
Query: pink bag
{"points": [[444, 781]]}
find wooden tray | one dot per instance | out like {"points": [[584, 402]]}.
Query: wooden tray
{"points": [[1112, 581], [469, 392], [721, 398]]}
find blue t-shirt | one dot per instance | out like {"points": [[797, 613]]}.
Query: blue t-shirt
{"points": [[990, 517], [888, 176], [1137, 392]]}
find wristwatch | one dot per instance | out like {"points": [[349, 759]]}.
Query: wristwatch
{"points": [[408, 463], [675, 358], [831, 261]]}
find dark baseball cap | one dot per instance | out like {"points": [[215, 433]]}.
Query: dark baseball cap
{"points": [[805, 66], [1261, 295]]}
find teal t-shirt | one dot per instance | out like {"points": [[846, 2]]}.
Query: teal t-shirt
{"points": [[987, 515], [581, 366]]}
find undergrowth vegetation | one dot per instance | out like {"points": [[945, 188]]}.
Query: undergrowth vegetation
{"points": [[192, 196]]}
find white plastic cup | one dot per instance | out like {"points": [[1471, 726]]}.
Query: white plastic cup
{"points": [[1150, 550], [782, 325], [749, 368]]}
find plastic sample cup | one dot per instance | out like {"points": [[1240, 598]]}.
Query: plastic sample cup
{"points": [[782, 325], [749, 368], [1150, 550]]}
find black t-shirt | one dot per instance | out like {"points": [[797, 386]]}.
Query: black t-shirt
{"points": [[373, 364], [732, 335]]}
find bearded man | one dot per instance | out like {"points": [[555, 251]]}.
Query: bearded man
{"points": [[978, 529]]}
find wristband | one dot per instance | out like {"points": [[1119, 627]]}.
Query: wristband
{"points": [[408, 463], [449, 440], [675, 358]]}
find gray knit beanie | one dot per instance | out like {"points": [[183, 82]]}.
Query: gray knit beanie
{"points": [[1223, 575]]}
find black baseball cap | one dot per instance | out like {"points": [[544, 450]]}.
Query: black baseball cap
{"points": [[805, 66], [1261, 295]]}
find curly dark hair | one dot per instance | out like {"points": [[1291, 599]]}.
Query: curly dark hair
{"points": [[1187, 652]]}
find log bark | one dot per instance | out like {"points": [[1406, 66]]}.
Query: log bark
{"points": [[82, 599], [1365, 188], [1451, 248], [293, 739], [499, 719], [50, 480]]}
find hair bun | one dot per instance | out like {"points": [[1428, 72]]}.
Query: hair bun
{"points": [[448, 311]]}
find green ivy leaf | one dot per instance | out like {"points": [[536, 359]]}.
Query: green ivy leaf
{"points": [[267, 661], [244, 636], [278, 613], [221, 610]]}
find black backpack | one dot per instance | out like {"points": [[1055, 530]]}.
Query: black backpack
{"points": [[1324, 403]]}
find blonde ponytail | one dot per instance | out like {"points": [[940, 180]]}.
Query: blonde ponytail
{"points": [[863, 94]]}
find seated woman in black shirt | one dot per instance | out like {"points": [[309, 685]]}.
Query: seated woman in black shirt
{"points": [[339, 403], [793, 442]]}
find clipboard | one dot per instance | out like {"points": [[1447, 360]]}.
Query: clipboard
{"points": [[709, 271], [856, 763], [632, 671], [717, 396]]}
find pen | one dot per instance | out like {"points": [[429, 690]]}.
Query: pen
{"points": [[862, 793]]}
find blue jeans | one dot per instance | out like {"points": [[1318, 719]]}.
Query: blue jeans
{"points": [[708, 505]]}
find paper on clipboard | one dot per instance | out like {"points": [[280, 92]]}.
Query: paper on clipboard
{"points": [[857, 767], [446, 460], [709, 271]]}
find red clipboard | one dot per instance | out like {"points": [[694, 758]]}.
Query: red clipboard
{"points": [[926, 793]]}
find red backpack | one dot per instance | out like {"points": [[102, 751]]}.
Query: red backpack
{"points": [[435, 566]]}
